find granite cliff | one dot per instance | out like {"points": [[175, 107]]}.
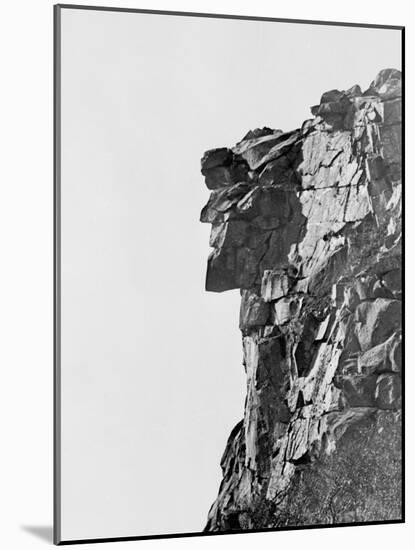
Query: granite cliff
{"points": [[307, 224]]}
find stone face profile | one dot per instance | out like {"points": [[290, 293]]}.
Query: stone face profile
{"points": [[307, 224]]}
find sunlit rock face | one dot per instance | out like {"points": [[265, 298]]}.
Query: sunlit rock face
{"points": [[307, 224]]}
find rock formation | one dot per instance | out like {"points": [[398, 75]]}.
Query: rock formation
{"points": [[307, 224]]}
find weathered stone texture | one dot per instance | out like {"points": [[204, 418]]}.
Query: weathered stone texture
{"points": [[307, 224]]}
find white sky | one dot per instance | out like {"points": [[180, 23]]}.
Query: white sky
{"points": [[152, 380]]}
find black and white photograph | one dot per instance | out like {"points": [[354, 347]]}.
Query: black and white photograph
{"points": [[229, 252], [205, 329]]}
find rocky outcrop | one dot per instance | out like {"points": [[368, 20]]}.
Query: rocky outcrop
{"points": [[307, 224]]}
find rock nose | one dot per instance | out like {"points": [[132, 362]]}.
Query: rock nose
{"points": [[384, 76]]}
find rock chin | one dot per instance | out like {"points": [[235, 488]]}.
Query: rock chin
{"points": [[307, 224]]}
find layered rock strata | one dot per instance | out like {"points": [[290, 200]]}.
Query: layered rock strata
{"points": [[307, 224]]}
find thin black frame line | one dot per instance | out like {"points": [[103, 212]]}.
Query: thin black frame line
{"points": [[234, 532], [57, 275], [230, 16], [57, 283], [403, 53]]}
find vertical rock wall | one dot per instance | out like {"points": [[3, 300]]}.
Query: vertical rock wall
{"points": [[307, 224]]}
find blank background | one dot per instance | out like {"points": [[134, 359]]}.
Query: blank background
{"points": [[152, 381]]}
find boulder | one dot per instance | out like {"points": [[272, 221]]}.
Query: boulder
{"points": [[388, 83], [376, 321], [275, 284], [254, 311]]}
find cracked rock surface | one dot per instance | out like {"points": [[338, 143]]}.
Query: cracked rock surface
{"points": [[307, 224]]}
